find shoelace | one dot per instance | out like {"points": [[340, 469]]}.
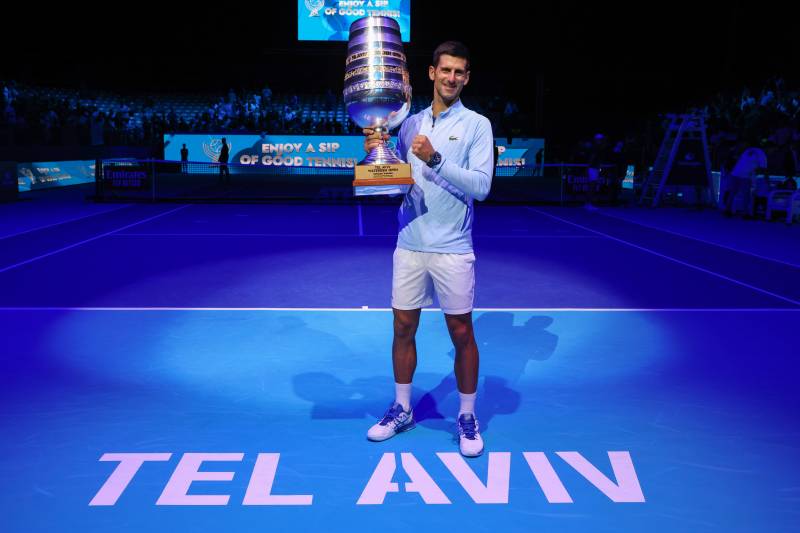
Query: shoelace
{"points": [[391, 415], [467, 427]]}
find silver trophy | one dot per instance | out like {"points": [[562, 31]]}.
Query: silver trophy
{"points": [[377, 94]]}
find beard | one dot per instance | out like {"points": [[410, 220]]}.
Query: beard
{"points": [[448, 94]]}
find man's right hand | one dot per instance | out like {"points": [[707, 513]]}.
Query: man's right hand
{"points": [[373, 139]]}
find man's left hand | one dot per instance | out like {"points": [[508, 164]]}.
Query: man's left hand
{"points": [[422, 148]]}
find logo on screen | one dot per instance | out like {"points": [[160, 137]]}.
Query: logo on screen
{"points": [[314, 6], [213, 148]]}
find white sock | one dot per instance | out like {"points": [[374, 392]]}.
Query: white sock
{"points": [[467, 403], [402, 392]]}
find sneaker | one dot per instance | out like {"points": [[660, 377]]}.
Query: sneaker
{"points": [[393, 422], [469, 439]]}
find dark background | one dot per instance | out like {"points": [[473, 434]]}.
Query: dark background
{"points": [[567, 64]]}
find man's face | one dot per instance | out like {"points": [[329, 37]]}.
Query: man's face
{"points": [[449, 77]]}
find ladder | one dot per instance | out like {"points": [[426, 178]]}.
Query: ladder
{"points": [[682, 127]]}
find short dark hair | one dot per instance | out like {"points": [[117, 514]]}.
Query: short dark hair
{"points": [[451, 48]]}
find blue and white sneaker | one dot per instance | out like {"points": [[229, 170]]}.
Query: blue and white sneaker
{"points": [[393, 422], [469, 439]]}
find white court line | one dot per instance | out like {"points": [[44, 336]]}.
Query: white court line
{"points": [[704, 241], [523, 236], [244, 235], [6, 269], [664, 256], [434, 309], [341, 235], [64, 222]]}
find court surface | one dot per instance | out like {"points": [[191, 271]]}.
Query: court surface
{"points": [[638, 372]]}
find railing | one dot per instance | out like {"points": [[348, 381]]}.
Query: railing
{"points": [[159, 180]]}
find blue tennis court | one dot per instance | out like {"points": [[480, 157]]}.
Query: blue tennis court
{"points": [[206, 367]]}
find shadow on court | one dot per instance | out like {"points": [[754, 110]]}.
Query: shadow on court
{"points": [[505, 351]]}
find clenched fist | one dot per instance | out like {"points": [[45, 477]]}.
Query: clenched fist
{"points": [[422, 148]]}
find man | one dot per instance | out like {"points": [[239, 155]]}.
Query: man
{"points": [[753, 161], [596, 155], [184, 159], [537, 170], [450, 149], [224, 173]]}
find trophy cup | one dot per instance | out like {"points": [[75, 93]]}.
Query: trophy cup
{"points": [[377, 94]]}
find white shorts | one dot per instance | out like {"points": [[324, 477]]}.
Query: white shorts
{"points": [[415, 275]]}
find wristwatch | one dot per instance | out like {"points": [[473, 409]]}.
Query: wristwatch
{"points": [[435, 159]]}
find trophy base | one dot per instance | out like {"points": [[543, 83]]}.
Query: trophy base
{"points": [[375, 190], [382, 179]]}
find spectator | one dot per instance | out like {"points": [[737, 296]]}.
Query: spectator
{"points": [[184, 159], [224, 173], [752, 161]]}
